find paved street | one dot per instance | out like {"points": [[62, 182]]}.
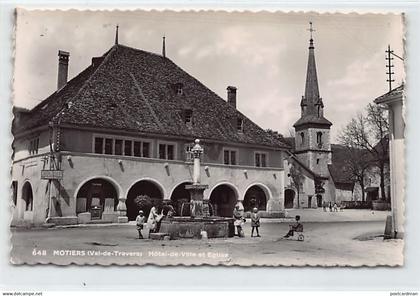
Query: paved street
{"points": [[326, 243]]}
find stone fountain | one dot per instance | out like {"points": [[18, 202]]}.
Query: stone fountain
{"points": [[200, 223]]}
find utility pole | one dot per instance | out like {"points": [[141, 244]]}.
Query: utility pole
{"points": [[389, 66]]}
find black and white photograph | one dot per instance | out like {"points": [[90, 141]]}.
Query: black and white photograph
{"points": [[208, 138]]}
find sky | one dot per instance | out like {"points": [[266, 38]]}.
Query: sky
{"points": [[263, 54]]}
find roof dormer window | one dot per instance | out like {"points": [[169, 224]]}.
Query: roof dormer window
{"points": [[240, 125], [179, 91], [179, 88], [188, 116]]}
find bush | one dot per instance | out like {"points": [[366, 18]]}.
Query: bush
{"points": [[144, 202]]}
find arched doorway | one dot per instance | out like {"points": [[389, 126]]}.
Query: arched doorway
{"points": [[255, 197], [223, 199], [179, 196], [97, 196], [28, 197], [319, 200], [151, 194], [289, 196]]}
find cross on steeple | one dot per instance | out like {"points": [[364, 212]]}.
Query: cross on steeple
{"points": [[311, 41], [311, 29]]}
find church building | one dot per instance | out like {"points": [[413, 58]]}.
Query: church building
{"points": [[317, 171], [311, 153]]}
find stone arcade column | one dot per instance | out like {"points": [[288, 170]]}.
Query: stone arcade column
{"points": [[122, 210], [196, 189]]}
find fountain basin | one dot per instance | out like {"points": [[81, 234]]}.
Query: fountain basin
{"points": [[187, 227]]}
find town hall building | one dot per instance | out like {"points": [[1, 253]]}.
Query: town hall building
{"points": [[122, 128]]}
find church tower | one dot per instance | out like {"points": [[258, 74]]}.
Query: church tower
{"points": [[312, 130]]}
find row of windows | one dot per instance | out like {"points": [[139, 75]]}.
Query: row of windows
{"points": [[121, 147], [230, 158], [131, 148], [112, 146], [33, 146]]}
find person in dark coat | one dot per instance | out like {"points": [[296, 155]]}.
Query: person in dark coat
{"points": [[255, 222]]}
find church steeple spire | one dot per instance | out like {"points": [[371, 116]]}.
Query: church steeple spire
{"points": [[311, 86], [312, 107]]}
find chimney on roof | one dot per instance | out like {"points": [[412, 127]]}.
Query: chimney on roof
{"points": [[231, 96], [63, 68]]}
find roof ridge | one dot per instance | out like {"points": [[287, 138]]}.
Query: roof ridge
{"points": [[85, 83], [141, 50]]}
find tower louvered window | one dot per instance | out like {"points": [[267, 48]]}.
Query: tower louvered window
{"points": [[319, 139]]}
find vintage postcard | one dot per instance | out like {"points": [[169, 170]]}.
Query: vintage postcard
{"points": [[203, 137]]}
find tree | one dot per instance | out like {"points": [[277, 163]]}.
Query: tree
{"points": [[369, 132], [275, 134], [357, 164], [297, 178]]}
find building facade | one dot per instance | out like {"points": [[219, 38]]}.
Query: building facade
{"points": [[395, 102], [121, 129]]}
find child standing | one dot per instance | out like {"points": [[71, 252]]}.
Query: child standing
{"points": [[255, 222], [239, 220], [139, 222]]}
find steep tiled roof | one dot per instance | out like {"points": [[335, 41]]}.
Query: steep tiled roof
{"points": [[312, 119], [134, 90]]}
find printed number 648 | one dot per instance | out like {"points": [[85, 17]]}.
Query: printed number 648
{"points": [[36, 252]]}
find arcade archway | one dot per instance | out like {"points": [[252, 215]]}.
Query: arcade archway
{"points": [[255, 197], [28, 197], [223, 199], [289, 197], [319, 201], [99, 194], [146, 189]]}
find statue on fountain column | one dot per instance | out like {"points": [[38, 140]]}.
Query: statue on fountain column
{"points": [[196, 189]]}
